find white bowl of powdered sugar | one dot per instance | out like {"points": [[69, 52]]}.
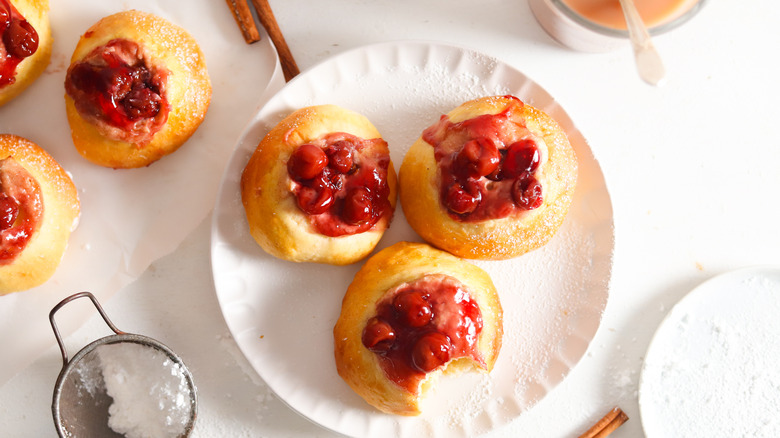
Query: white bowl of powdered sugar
{"points": [[712, 367]]}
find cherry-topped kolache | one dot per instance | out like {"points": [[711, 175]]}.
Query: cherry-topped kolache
{"points": [[39, 207], [484, 174], [413, 313], [421, 326], [137, 88], [19, 41], [341, 183], [491, 179], [320, 187]]}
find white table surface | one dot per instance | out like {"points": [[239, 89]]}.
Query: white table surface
{"points": [[692, 170]]}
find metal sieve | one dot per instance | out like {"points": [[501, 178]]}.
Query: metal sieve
{"points": [[80, 404]]}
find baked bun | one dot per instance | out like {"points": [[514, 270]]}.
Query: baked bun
{"points": [[493, 179], [412, 313], [25, 44], [39, 208], [320, 187], [137, 88]]}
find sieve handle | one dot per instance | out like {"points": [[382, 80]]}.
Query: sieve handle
{"points": [[66, 301]]}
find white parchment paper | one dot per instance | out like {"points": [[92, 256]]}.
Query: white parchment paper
{"points": [[129, 218]]}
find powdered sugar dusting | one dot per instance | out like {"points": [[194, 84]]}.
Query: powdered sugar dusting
{"points": [[470, 406], [547, 298], [150, 392], [712, 369]]}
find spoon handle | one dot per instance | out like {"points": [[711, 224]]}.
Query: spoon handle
{"points": [[648, 61]]}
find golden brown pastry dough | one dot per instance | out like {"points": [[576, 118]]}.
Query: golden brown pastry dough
{"points": [[387, 275], [36, 12], [175, 58], [276, 220], [497, 238], [43, 203]]}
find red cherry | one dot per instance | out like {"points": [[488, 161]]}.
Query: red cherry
{"points": [[315, 200], [117, 81], [527, 192], [463, 199], [478, 158], [357, 206], [9, 211], [141, 103], [340, 156], [373, 181], [378, 336], [413, 308], [431, 351], [521, 156], [306, 162], [327, 178], [20, 38]]}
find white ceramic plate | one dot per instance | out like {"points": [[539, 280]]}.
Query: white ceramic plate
{"points": [[282, 314], [713, 366]]}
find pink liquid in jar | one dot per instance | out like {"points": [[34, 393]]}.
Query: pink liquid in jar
{"points": [[608, 13]]}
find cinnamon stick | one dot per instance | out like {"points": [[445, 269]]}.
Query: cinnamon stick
{"points": [[267, 19], [614, 424], [607, 424], [244, 19]]}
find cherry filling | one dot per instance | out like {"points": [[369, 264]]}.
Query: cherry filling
{"points": [[21, 209], [120, 91], [19, 41], [340, 181], [421, 326], [488, 166], [9, 211]]}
